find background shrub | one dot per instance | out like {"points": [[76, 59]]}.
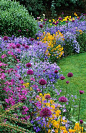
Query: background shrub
{"points": [[15, 20], [37, 7]]}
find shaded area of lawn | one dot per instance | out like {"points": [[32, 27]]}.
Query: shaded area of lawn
{"points": [[77, 65]]}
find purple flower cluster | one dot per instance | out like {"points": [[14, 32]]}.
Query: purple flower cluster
{"points": [[45, 112]]}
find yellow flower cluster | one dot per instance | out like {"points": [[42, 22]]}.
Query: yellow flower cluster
{"points": [[26, 84], [53, 48], [56, 121]]}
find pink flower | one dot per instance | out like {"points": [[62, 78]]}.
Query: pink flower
{"points": [[10, 52], [3, 56], [32, 79], [45, 112]]}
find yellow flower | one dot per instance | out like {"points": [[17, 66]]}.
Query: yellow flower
{"points": [[55, 124], [49, 20], [37, 37], [49, 130], [72, 131], [26, 84], [75, 14]]}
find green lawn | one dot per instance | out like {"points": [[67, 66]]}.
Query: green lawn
{"points": [[77, 65]]}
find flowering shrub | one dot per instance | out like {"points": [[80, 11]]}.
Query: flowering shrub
{"points": [[54, 51]]}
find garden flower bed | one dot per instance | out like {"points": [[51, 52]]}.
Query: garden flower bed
{"points": [[29, 73]]}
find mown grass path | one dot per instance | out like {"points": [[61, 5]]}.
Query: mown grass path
{"points": [[77, 65]]}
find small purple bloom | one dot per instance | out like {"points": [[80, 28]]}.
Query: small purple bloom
{"points": [[56, 71], [63, 99], [42, 82], [67, 82], [81, 92], [70, 74], [28, 65], [81, 121], [73, 20], [18, 45], [5, 38], [19, 30], [26, 46], [30, 72], [45, 19], [47, 97], [41, 26], [45, 112], [31, 39], [62, 77]]}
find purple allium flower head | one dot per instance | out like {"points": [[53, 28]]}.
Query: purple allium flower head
{"points": [[73, 20], [53, 22], [26, 46], [67, 82], [28, 65], [81, 121], [56, 71], [70, 74], [18, 45], [31, 39], [5, 38], [81, 92], [30, 72], [45, 112], [19, 30], [47, 97], [41, 26], [42, 82], [62, 77], [57, 22], [23, 44], [27, 30], [63, 99], [20, 78], [45, 19], [60, 18]]}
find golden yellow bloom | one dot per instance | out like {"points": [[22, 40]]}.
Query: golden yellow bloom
{"points": [[72, 131], [49, 20], [26, 84]]}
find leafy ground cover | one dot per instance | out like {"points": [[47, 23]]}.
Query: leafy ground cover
{"points": [[32, 87]]}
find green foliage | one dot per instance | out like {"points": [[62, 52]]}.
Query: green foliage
{"points": [[34, 7], [37, 8], [14, 17], [11, 122], [81, 38], [53, 9]]}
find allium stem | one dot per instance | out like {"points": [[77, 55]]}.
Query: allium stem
{"points": [[79, 107]]}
